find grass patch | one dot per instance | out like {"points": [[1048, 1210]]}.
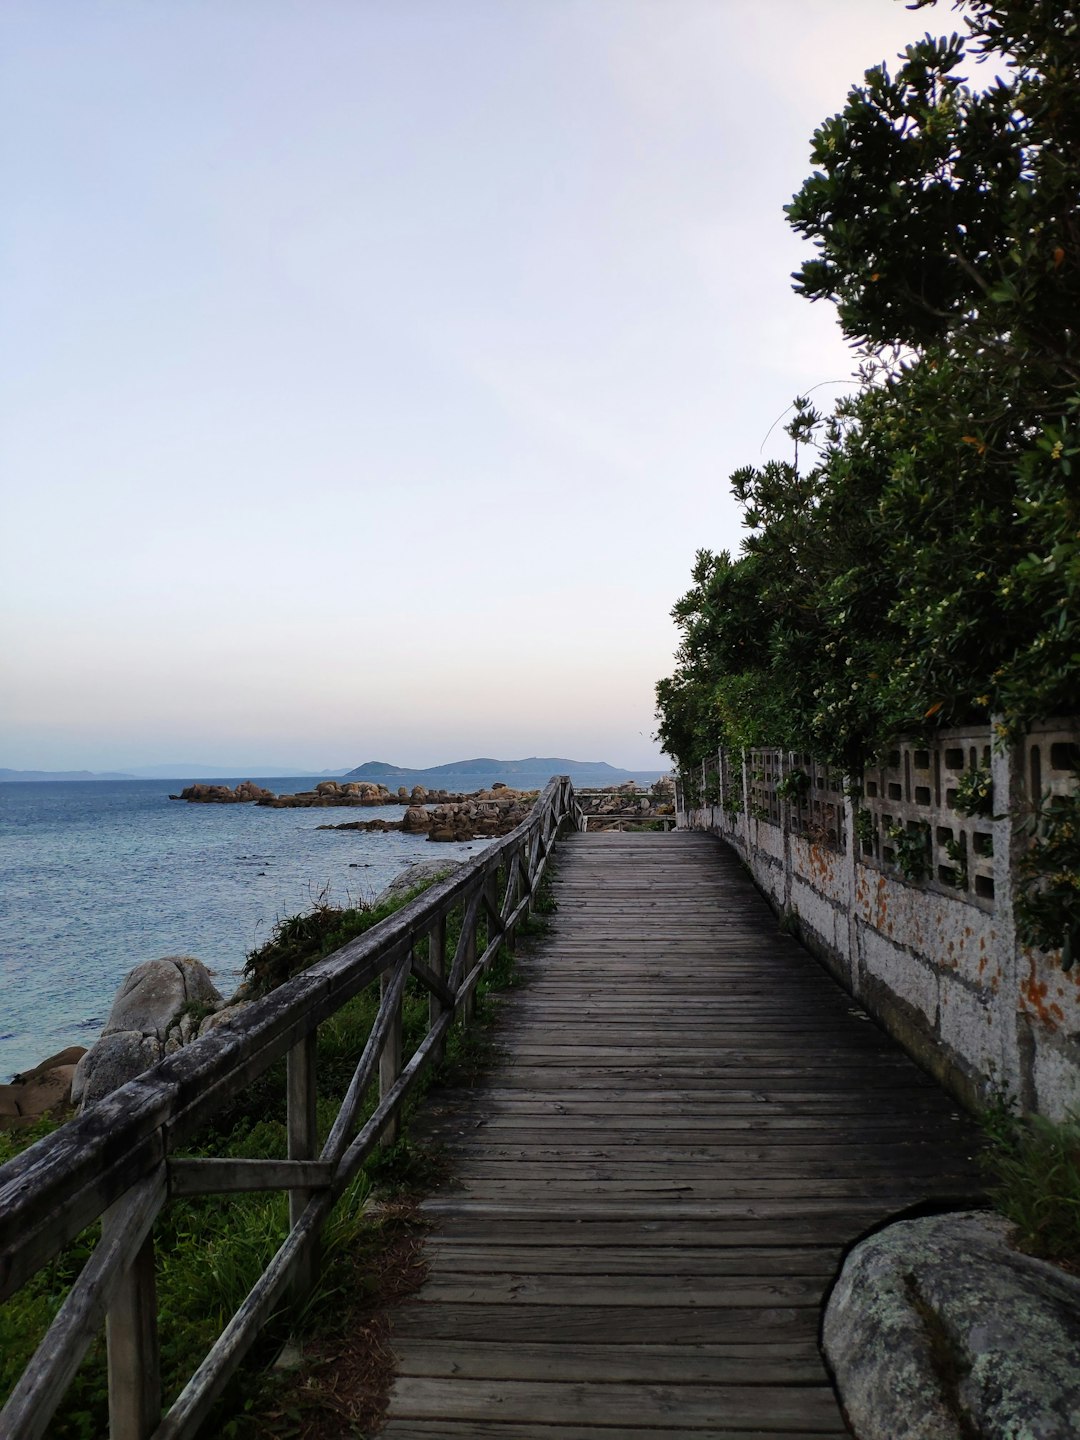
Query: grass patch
{"points": [[1034, 1166], [212, 1249]]}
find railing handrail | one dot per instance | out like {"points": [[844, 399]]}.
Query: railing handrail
{"points": [[101, 1163]]}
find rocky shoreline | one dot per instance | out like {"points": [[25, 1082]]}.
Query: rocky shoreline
{"points": [[441, 815], [178, 990], [327, 792], [483, 816]]}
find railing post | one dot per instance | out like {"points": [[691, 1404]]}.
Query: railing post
{"points": [[131, 1334], [390, 1059], [437, 964], [515, 888], [491, 902], [303, 1142], [468, 1007]]}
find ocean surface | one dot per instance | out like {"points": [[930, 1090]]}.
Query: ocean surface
{"points": [[98, 875]]}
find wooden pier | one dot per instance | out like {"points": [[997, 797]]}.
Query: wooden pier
{"points": [[652, 1195]]}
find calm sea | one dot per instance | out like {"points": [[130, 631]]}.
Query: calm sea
{"points": [[96, 876]]}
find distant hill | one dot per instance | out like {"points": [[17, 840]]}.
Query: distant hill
{"points": [[522, 774], [63, 775]]}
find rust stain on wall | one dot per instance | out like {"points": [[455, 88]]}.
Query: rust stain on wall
{"points": [[1033, 992]]}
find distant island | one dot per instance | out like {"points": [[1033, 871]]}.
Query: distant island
{"points": [[522, 774]]}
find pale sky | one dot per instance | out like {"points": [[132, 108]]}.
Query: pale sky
{"points": [[372, 370]]}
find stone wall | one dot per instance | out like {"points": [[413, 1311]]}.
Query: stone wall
{"points": [[935, 958]]}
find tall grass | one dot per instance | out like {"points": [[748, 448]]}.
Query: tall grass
{"points": [[1034, 1167]]}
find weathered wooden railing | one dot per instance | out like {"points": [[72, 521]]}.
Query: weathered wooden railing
{"points": [[117, 1161]]}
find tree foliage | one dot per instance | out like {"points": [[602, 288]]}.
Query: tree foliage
{"points": [[924, 567]]}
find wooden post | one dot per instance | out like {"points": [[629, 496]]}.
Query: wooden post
{"points": [[468, 1008], [303, 1142], [514, 887], [437, 964], [491, 898], [531, 853], [390, 1060], [132, 1340]]}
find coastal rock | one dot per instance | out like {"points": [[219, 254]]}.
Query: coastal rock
{"points": [[413, 875], [154, 993], [416, 820], [146, 1022], [963, 1334], [112, 1062], [485, 814], [46, 1092], [222, 1016], [330, 792], [246, 793], [44, 1089], [69, 1056]]}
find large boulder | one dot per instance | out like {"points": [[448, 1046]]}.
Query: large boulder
{"points": [[414, 875], [416, 820], [937, 1329], [156, 1010], [247, 791], [153, 994], [113, 1061]]}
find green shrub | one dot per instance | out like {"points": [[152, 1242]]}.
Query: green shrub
{"points": [[1034, 1166]]}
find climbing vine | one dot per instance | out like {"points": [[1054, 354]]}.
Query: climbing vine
{"points": [[974, 793], [1047, 903]]}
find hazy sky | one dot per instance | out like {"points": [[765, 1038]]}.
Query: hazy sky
{"points": [[372, 370]]}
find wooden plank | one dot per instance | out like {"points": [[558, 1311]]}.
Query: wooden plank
{"points": [[781, 1408], [512, 1430], [450, 1257], [796, 1223], [654, 1291], [211, 1176], [634, 1324], [794, 1363], [807, 1148]]}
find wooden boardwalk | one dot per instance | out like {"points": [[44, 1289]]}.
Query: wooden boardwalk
{"points": [[651, 1196]]}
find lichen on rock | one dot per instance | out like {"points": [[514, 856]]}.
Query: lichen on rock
{"points": [[937, 1329]]}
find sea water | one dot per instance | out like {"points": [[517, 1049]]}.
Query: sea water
{"points": [[96, 876]]}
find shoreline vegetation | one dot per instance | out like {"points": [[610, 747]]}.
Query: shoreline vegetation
{"points": [[211, 1250]]}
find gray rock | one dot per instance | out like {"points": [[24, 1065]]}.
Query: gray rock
{"points": [[116, 1058], [413, 875], [154, 993], [146, 1022], [220, 1017], [938, 1330]]}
